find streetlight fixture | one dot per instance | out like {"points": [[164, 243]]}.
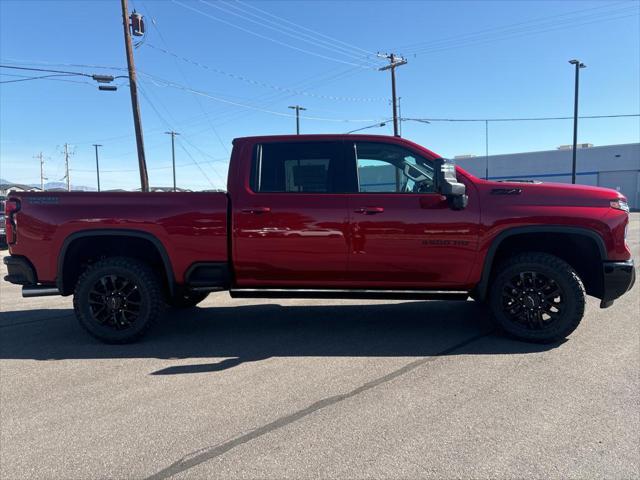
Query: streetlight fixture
{"points": [[375, 125], [578, 64]]}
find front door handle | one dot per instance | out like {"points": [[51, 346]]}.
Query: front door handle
{"points": [[369, 210], [256, 210]]}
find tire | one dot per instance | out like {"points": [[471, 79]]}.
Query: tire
{"points": [[537, 297], [117, 299], [187, 299]]}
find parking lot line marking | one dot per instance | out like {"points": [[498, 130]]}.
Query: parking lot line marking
{"points": [[203, 455]]}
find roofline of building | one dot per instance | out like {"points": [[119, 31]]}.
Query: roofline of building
{"points": [[549, 151]]}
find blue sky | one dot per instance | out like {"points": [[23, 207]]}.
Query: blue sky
{"points": [[250, 60]]}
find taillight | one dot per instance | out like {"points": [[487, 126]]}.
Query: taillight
{"points": [[11, 207]]}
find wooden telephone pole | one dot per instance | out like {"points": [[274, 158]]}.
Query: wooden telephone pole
{"points": [[144, 178], [297, 108], [394, 61]]}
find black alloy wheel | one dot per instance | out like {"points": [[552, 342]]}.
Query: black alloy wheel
{"points": [[537, 297], [533, 300], [117, 299]]}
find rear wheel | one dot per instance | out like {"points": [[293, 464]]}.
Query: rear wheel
{"points": [[187, 299], [537, 297], [117, 299]]}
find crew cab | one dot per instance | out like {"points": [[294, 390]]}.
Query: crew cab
{"points": [[323, 216]]}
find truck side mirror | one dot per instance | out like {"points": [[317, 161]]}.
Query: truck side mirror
{"points": [[447, 183]]}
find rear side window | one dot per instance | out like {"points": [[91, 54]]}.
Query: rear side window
{"points": [[298, 167]]}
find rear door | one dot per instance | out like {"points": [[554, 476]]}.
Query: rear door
{"points": [[404, 234], [291, 219]]}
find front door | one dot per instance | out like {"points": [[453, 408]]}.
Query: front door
{"points": [[403, 233], [291, 223]]}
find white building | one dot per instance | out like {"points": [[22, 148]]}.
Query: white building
{"points": [[611, 166]]}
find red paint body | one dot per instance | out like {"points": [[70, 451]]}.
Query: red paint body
{"points": [[346, 240]]}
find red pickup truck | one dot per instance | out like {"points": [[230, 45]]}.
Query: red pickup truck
{"points": [[327, 216]]}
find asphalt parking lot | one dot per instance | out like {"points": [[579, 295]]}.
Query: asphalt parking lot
{"points": [[318, 389]]}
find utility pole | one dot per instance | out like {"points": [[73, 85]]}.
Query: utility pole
{"points": [[144, 178], [41, 158], [394, 61], [66, 166], [578, 65], [486, 149], [297, 108], [97, 164], [400, 116], [173, 155]]}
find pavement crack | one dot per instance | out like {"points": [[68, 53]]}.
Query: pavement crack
{"points": [[194, 459]]}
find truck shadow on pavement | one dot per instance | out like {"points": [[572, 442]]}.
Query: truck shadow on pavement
{"points": [[235, 335]]}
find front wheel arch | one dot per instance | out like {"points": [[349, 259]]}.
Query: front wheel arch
{"points": [[571, 244]]}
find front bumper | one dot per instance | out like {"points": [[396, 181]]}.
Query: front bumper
{"points": [[618, 278]]}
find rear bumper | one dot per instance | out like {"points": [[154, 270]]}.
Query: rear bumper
{"points": [[20, 271], [618, 278]]}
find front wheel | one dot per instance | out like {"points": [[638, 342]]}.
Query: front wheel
{"points": [[537, 297], [117, 299]]}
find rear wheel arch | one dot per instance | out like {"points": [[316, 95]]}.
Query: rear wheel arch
{"points": [[74, 251], [567, 243]]}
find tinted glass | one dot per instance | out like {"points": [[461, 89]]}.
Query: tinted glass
{"points": [[297, 167], [389, 168]]}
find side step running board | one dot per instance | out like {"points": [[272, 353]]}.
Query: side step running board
{"points": [[354, 294]]}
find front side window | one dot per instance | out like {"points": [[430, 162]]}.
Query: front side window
{"points": [[393, 169], [297, 167]]}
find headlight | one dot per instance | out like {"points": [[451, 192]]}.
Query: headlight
{"points": [[619, 205]]}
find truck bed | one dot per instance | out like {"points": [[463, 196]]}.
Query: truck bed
{"points": [[191, 226]]}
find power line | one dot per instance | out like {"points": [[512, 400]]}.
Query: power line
{"points": [[305, 28], [410, 47], [521, 119], [251, 81], [180, 144], [297, 35], [516, 34], [99, 78], [184, 78], [26, 79], [264, 37], [162, 82]]}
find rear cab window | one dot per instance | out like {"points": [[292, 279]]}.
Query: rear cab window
{"points": [[298, 167]]}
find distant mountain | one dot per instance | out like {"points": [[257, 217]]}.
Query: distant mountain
{"points": [[50, 185]]}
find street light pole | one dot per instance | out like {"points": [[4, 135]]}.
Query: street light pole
{"points": [[297, 108], [173, 155], [97, 164], [578, 64]]}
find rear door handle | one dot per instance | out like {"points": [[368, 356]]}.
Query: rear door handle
{"points": [[256, 210], [369, 210]]}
